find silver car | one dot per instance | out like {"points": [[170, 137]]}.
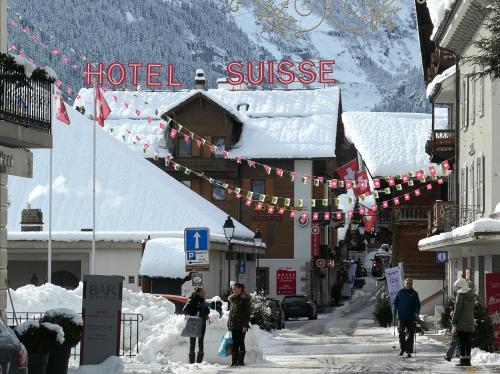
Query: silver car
{"points": [[13, 355]]}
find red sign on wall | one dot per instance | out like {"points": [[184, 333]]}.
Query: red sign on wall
{"points": [[286, 283], [315, 236], [493, 303]]}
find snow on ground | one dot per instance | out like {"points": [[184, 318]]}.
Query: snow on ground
{"points": [[481, 357], [391, 143], [112, 365], [163, 204], [160, 340]]}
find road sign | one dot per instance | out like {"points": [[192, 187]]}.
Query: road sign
{"points": [[191, 268], [243, 266], [320, 263], [197, 257], [442, 257], [302, 220], [197, 279], [196, 239]]}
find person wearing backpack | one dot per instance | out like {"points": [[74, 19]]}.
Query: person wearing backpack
{"points": [[196, 306]]}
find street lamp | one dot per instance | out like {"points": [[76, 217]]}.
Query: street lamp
{"points": [[228, 233], [257, 241]]}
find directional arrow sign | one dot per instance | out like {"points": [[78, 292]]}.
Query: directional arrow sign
{"points": [[196, 239]]}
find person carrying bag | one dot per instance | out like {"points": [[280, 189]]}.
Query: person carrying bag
{"points": [[197, 311], [239, 322]]}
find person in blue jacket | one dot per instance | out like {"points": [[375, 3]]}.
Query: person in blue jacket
{"points": [[407, 309]]}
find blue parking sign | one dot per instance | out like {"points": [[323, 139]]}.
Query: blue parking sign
{"points": [[191, 256], [196, 239], [441, 257]]}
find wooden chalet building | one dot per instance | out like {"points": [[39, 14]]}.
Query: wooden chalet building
{"points": [[392, 145], [292, 130]]}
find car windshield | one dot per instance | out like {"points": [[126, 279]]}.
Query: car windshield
{"points": [[295, 299]]}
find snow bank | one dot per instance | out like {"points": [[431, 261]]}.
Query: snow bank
{"points": [[112, 365], [485, 358], [164, 258], [160, 338]]}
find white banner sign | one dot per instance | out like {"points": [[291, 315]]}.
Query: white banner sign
{"points": [[394, 282]]}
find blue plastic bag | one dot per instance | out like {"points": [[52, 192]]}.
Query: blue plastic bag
{"points": [[225, 346]]}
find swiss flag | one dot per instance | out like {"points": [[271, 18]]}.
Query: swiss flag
{"points": [[369, 219], [362, 186], [348, 171], [102, 106], [62, 114]]}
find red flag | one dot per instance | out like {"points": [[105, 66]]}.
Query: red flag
{"points": [[362, 183], [102, 106], [348, 171], [62, 114], [370, 219]]}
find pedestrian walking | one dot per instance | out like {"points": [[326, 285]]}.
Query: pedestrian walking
{"points": [[463, 320], [407, 309], [196, 306], [239, 322]]}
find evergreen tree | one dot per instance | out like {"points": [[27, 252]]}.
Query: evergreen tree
{"points": [[261, 313], [383, 311]]}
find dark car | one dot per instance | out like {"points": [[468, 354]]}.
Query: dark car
{"points": [[296, 306], [13, 355], [380, 262], [277, 311]]}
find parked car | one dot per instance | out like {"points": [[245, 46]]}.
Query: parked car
{"points": [[275, 306], [295, 306], [13, 355], [380, 262], [178, 301]]}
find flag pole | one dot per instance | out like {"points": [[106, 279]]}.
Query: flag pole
{"points": [[92, 257], [49, 255]]}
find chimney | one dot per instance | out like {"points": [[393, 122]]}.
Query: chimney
{"points": [[31, 219], [199, 80]]}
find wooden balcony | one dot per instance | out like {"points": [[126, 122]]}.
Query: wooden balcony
{"points": [[446, 215], [209, 165], [441, 145], [403, 215]]}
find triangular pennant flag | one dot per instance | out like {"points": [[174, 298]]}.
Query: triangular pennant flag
{"points": [[293, 174], [150, 119], [429, 186], [376, 183], [279, 172], [162, 125], [410, 183], [407, 196], [225, 185], [361, 210], [115, 98], [187, 171], [173, 133], [281, 211], [126, 105], [390, 181], [350, 213], [249, 194], [336, 201], [138, 112], [326, 216], [213, 148], [341, 184], [287, 201], [187, 139], [198, 143], [304, 180], [417, 193], [385, 204], [299, 203], [62, 114], [292, 213], [324, 202], [315, 216], [440, 181], [258, 206], [237, 190], [387, 191], [432, 170], [399, 187], [316, 182], [405, 178], [238, 159], [226, 154], [274, 200], [348, 184], [251, 163], [270, 209], [338, 216], [332, 183], [267, 168], [313, 203], [375, 194], [262, 198], [396, 201], [248, 202], [445, 165]]}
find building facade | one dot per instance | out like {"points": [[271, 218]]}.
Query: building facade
{"points": [[25, 122]]}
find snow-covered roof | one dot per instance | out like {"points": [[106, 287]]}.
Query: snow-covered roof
{"points": [[277, 124], [481, 226], [433, 87], [132, 193], [391, 143], [164, 258], [437, 12]]}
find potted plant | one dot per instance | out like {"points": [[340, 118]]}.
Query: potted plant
{"points": [[39, 338], [72, 325]]}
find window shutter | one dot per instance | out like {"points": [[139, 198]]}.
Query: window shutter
{"points": [[206, 149], [472, 177], [466, 185], [481, 96], [483, 183], [196, 185], [269, 186], [466, 102], [207, 190], [472, 111]]}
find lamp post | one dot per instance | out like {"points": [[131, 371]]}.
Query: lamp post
{"points": [[228, 233], [257, 241]]}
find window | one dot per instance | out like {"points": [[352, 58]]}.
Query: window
{"points": [[258, 186], [131, 279], [472, 186], [480, 183], [184, 148], [220, 142], [218, 193], [462, 104], [466, 102], [186, 183]]}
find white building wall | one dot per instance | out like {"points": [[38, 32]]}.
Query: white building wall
{"points": [[120, 261], [302, 235]]}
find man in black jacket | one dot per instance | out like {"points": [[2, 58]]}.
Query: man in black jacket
{"points": [[196, 306], [407, 309]]}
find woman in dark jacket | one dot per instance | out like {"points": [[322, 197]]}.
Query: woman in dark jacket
{"points": [[239, 322], [196, 306], [463, 319]]}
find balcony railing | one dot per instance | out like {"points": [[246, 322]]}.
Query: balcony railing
{"points": [[446, 215], [441, 145], [24, 101], [203, 164], [403, 215]]}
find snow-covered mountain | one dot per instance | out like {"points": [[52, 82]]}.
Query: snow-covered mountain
{"points": [[372, 68]]}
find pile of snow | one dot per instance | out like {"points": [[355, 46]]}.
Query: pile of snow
{"points": [[160, 338], [438, 79], [164, 204], [437, 12], [483, 225], [164, 258], [65, 312], [391, 143], [479, 357], [112, 365]]}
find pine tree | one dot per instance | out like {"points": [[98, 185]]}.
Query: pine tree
{"points": [[383, 311], [261, 313], [489, 45]]}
